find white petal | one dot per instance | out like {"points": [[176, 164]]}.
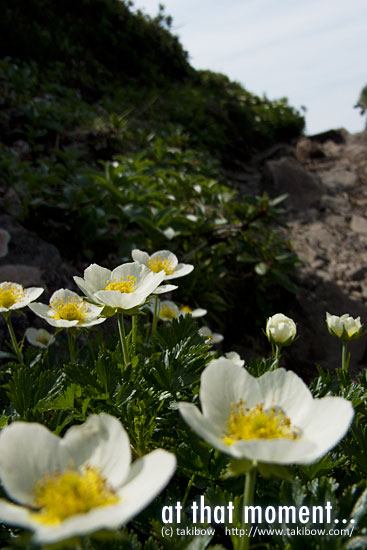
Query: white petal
{"points": [[93, 311], [278, 451], [327, 423], [91, 322], [117, 299], [95, 277], [28, 452], [204, 426], [140, 256], [223, 384], [150, 282], [40, 309], [148, 476], [134, 269], [199, 312], [103, 443], [15, 515], [180, 271], [164, 288], [103, 517], [286, 390], [33, 293], [87, 290]]}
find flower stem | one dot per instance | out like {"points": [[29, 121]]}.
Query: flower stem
{"points": [[125, 351], [155, 314], [248, 498], [134, 333], [191, 481], [277, 356], [83, 543], [345, 358], [71, 342], [14, 342]]}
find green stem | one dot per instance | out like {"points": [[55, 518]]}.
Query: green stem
{"points": [[188, 489], [134, 333], [71, 342], [14, 342], [125, 351], [277, 355], [248, 498], [83, 544], [345, 358], [155, 314]]}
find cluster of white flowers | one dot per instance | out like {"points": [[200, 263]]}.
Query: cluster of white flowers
{"points": [[84, 482]]}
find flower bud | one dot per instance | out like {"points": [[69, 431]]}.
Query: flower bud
{"points": [[344, 327], [281, 330]]}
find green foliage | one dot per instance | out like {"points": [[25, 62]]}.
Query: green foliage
{"points": [[143, 395], [94, 40], [362, 101]]}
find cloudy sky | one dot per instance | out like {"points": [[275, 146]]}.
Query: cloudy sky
{"points": [[311, 51]]}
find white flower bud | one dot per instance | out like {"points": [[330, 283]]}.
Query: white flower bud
{"points": [[344, 327], [281, 330]]}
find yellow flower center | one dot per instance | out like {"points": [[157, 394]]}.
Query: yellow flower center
{"points": [[72, 492], [255, 423], [186, 309], [42, 340], [71, 308], [158, 264], [167, 313], [10, 293], [123, 285]]}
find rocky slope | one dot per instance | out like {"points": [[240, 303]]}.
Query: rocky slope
{"points": [[325, 177]]}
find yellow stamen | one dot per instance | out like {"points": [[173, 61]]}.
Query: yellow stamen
{"points": [[72, 492], [167, 313], [10, 293], [124, 286], [186, 309], [158, 264], [73, 308], [255, 423]]}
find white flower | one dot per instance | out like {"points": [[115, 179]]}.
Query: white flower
{"points": [[168, 310], [198, 312], [235, 358], [281, 330], [270, 419], [14, 296], [211, 337], [39, 337], [345, 327], [79, 484], [163, 259], [67, 309], [123, 289]]}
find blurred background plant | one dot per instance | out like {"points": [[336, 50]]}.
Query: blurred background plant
{"points": [[362, 102]]}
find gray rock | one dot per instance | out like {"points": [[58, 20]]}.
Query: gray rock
{"points": [[289, 176], [4, 241], [358, 224], [25, 275], [32, 261]]}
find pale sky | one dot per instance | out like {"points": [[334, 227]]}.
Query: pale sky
{"points": [[311, 51]]}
